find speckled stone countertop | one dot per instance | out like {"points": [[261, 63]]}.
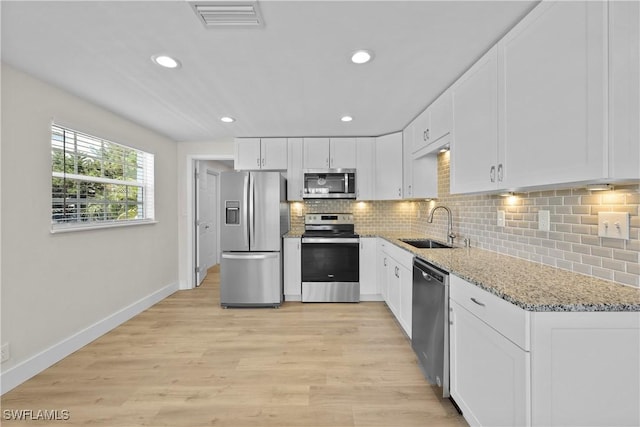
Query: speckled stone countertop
{"points": [[529, 285]]}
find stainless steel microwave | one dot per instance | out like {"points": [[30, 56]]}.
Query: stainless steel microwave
{"points": [[329, 184]]}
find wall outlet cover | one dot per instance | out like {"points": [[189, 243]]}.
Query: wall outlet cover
{"points": [[501, 218], [4, 353], [613, 225], [544, 220]]}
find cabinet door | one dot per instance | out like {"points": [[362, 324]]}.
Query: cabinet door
{"points": [[421, 131], [295, 177], [552, 92], [624, 89], [292, 269], [474, 143], [273, 153], [489, 374], [342, 153], [407, 160], [441, 116], [316, 153], [368, 281], [247, 154], [393, 286], [406, 298], [365, 162], [382, 262], [388, 170]]}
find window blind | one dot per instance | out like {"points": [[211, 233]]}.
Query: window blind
{"points": [[96, 181]]}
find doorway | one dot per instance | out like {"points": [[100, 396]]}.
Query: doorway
{"points": [[206, 225]]}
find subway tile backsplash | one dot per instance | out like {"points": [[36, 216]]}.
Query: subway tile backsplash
{"points": [[572, 242]]}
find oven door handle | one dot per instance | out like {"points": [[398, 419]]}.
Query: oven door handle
{"points": [[330, 240]]}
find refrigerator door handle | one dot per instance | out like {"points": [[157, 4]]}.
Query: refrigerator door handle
{"points": [[255, 255], [245, 226], [252, 221]]}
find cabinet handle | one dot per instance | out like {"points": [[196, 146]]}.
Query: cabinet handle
{"points": [[397, 272], [409, 189], [263, 162], [500, 172], [385, 261], [424, 135], [492, 174], [477, 302], [327, 161], [428, 136], [399, 192], [258, 161]]}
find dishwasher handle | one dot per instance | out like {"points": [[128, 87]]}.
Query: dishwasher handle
{"points": [[430, 274]]}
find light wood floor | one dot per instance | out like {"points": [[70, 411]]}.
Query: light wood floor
{"points": [[187, 362]]}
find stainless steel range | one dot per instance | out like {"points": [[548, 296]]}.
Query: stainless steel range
{"points": [[330, 259]]}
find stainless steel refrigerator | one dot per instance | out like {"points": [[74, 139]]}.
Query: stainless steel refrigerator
{"points": [[255, 216]]}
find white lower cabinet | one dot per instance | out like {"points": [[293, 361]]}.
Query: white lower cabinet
{"points": [[292, 269], [511, 367], [395, 268], [489, 373], [368, 275]]}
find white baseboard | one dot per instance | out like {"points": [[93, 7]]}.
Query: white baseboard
{"points": [[371, 297], [20, 373]]}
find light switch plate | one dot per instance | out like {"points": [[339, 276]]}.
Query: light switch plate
{"points": [[501, 220], [544, 220], [613, 225]]}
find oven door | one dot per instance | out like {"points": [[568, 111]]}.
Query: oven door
{"points": [[330, 269]]}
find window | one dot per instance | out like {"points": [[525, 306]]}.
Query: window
{"points": [[96, 182]]}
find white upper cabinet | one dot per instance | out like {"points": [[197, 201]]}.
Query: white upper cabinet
{"points": [[407, 159], [432, 124], [474, 144], [334, 153], [440, 117], [388, 169], [260, 153], [316, 153], [247, 153], [365, 155], [342, 153], [295, 179], [552, 95], [624, 90], [547, 81]]}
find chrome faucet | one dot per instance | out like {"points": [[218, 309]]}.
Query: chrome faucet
{"points": [[450, 234]]}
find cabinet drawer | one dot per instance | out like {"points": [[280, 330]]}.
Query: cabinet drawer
{"points": [[402, 256], [504, 317]]}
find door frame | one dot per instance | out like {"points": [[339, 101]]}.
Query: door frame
{"points": [[190, 261]]}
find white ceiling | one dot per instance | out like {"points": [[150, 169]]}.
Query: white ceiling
{"points": [[291, 78]]}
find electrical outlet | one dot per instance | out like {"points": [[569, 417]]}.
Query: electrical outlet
{"points": [[501, 218], [544, 220], [4, 353]]}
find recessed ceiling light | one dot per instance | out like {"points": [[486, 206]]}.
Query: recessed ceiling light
{"points": [[165, 61], [361, 56], [346, 118], [227, 119]]}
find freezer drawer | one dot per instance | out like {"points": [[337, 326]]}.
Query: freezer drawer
{"points": [[250, 279]]}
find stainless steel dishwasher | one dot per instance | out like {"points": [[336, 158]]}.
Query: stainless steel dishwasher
{"points": [[430, 322]]}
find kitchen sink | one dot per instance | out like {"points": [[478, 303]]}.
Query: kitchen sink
{"points": [[426, 244]]}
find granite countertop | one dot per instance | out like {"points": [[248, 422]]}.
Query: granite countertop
{"points": [[531, 286]]}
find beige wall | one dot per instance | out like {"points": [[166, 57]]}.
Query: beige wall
{"points": [[56, 285], [571, 244]]}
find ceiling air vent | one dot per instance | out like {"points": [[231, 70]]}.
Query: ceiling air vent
{"points": [[219, 14]]}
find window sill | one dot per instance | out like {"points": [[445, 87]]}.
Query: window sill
{"points": [[55, 229]]}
